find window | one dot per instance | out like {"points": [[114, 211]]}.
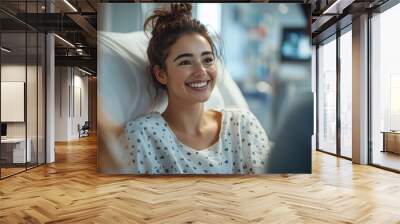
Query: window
{"points": [[327, 97], [346, 94], [385, 89]]}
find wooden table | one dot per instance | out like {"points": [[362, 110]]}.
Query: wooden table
{"points": [[391, 141]]}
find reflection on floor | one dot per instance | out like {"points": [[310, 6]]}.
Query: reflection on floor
{"points": [[10, 169], [346, 152], [387, 159], [72, 191]]}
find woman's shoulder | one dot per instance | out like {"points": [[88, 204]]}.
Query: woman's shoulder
{"points": [[237, 114], [144, 122], [238, 118]]}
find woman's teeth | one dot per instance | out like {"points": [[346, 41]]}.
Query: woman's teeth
{"points": [[198, 84]]}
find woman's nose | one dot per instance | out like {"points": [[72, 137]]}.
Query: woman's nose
{"points": [[199, 68]]}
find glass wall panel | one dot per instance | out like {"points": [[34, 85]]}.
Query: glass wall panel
{"points": [[327, 97], [41, 97], [13, 91], [385, 87], [31, 100], [22, 87], [346, 94]]}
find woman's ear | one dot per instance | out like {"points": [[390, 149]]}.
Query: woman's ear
{"points": [[160, 74]]}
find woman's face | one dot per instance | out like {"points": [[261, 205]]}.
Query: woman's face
{"points": [[190, 69]]}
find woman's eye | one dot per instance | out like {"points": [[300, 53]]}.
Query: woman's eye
{"points": [[185, 62], [208, 60]]}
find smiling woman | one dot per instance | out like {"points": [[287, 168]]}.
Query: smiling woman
{"points": [[189, 73], [186, 138]]}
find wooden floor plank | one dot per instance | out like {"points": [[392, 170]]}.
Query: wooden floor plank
{"points": [[71, 191]]}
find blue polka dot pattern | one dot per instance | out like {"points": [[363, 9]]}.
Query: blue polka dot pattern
{"points": [[153, 148]]}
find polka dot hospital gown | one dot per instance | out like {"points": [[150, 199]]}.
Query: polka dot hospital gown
{"points": [[152, 148]]}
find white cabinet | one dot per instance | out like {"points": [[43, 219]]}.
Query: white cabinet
{"points": [[16, 147]]}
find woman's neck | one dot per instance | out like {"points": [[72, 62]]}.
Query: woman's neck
{"points": [[189, 118]]}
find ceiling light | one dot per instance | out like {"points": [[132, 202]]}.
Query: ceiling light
{"points": [[5, 50], [331, 7], [86, 72], [70, 5], [65, 41], [337, 7]]}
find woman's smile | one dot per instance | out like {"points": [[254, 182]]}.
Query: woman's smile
{"points": [[201, 85]]}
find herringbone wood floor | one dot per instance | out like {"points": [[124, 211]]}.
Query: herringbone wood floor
{"points": [[71, 191]]}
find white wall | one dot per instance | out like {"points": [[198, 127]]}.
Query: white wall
{"points": [[12, 73], [33, 125], [61, 103], [70, 83]]}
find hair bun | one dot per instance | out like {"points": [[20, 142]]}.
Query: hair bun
{"points": [[163, 18], [181, 9]]}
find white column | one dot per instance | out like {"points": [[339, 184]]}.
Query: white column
{"points": [[50, 92], [50, 100], [360, 90]]}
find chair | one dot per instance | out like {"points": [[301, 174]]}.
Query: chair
{"points": [[84, 130]]}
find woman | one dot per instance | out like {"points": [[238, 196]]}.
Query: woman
{"points": [[186, 138]]}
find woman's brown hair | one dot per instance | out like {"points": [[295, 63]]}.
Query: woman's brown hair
{"points": [[167, 26]]}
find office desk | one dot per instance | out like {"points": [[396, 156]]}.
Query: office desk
{"points": [[13, 150], [391, 141]]}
